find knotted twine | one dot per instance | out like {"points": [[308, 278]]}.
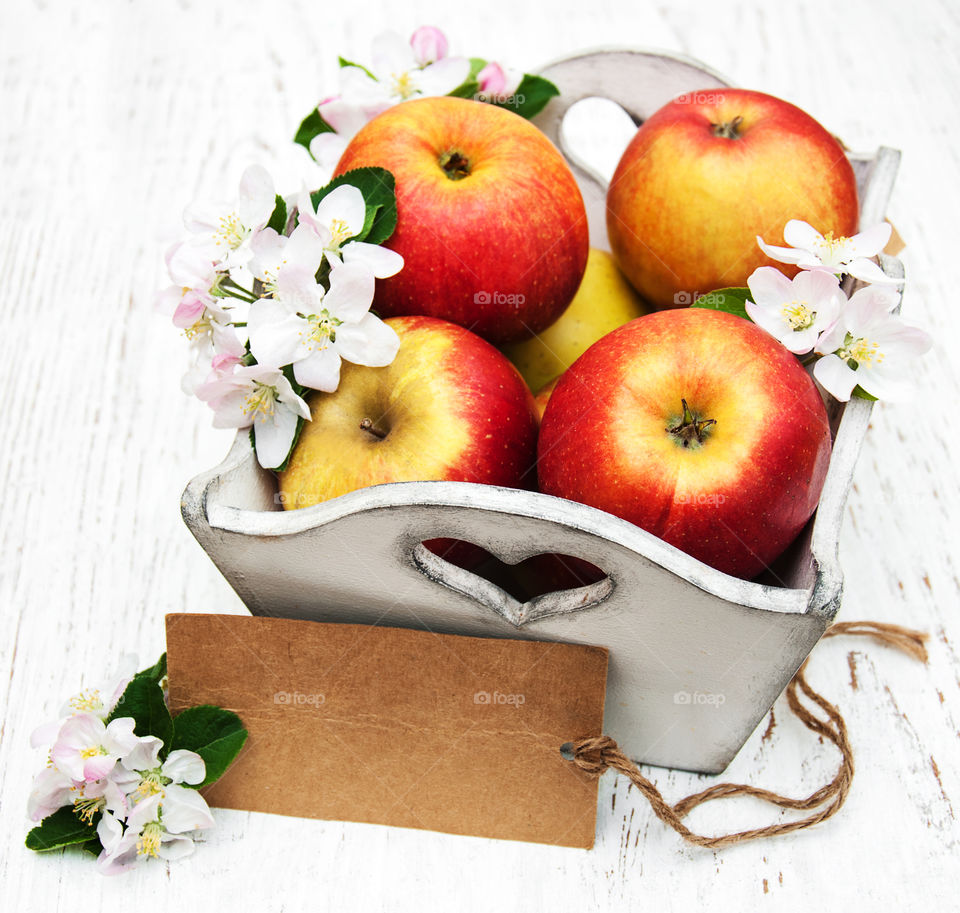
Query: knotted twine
{"points": [[597, 754]]}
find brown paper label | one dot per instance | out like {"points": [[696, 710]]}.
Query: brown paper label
{"points": [[394, 726]]}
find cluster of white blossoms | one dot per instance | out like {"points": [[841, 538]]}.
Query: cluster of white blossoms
{"points": [[400, 71], [856, 340], [269, 315], [103, 768]]}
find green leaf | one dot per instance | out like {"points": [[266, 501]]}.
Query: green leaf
{"points": [[157, 671], [349, 63], [729, 300], [93, 847], [278, 218], [467, 89], [470, 87], [860, 393], [217, 735], [530, 97], [312, 125], [377, 186], [143, 700], [62, 828]]}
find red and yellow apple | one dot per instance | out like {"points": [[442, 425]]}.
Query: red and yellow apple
{"points": [[708, 173], [449, 407], [491, 224], [604, 301], [697, 426]]}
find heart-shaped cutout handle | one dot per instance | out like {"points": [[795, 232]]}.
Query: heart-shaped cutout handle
{"points": [[523, 590]]}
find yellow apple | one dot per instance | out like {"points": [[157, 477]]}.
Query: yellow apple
{"points": [[604, 301]]}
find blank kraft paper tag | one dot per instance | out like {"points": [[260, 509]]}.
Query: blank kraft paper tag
{"points": [[399, 727]]}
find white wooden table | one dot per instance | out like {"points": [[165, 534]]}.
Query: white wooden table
{"points": [[114, 115]]}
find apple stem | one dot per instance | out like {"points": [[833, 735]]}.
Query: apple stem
{"points": [[367, 425], [729, 129], [690, 429], [455, 165]]}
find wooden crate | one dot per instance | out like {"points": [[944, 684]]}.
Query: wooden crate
{"points": [[697, 657]]}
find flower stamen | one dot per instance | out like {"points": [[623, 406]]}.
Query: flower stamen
{"points": [[799, 315], [261, 402], [149, 841]]}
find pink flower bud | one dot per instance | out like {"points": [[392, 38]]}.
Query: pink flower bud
{"points": [[492, 79], [429, 45]]}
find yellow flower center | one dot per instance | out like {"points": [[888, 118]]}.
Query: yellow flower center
{"points": [[861, 352], [87, 701], [150, 785], [149, 841], [404, 86], [323, 330], [260, 402], [86, 808], [340, 231], [231, 233], [799, 315], [201, 328], [832, 250], [92, 751]]}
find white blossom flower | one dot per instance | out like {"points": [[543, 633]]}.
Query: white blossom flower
{"points": [[871, 347], [194, 277], [795, 311], [98, 700], [52, 789], [86, 749], [155, 827], [258, 395], [314, 330], [811, 250], [108, 794], [400, 71], [224, 233], [272, 252], [338, 217]]}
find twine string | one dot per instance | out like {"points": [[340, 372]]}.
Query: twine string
{"points": [[596, 754]]}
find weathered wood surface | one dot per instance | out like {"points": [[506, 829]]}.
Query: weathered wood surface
{"points": [[115, 114]]}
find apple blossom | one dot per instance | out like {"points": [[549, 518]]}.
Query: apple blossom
{"points": [[429, 45], [258, 395], [796, 311], [811, 250], [273, 251], [99, 701], [497, 82], [400, 71], [194, 276], [338, 217], [107, 794], [870, 346], [314, 330], [156, 826], [52, 789], [86, 749], [224, 233]]}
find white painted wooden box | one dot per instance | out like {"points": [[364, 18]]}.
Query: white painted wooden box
{"points": [[697, 657]]}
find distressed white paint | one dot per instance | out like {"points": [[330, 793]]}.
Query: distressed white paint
{"points": [[114, 115]]}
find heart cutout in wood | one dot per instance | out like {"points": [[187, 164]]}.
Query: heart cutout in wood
{"points": [[522, 591]]}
